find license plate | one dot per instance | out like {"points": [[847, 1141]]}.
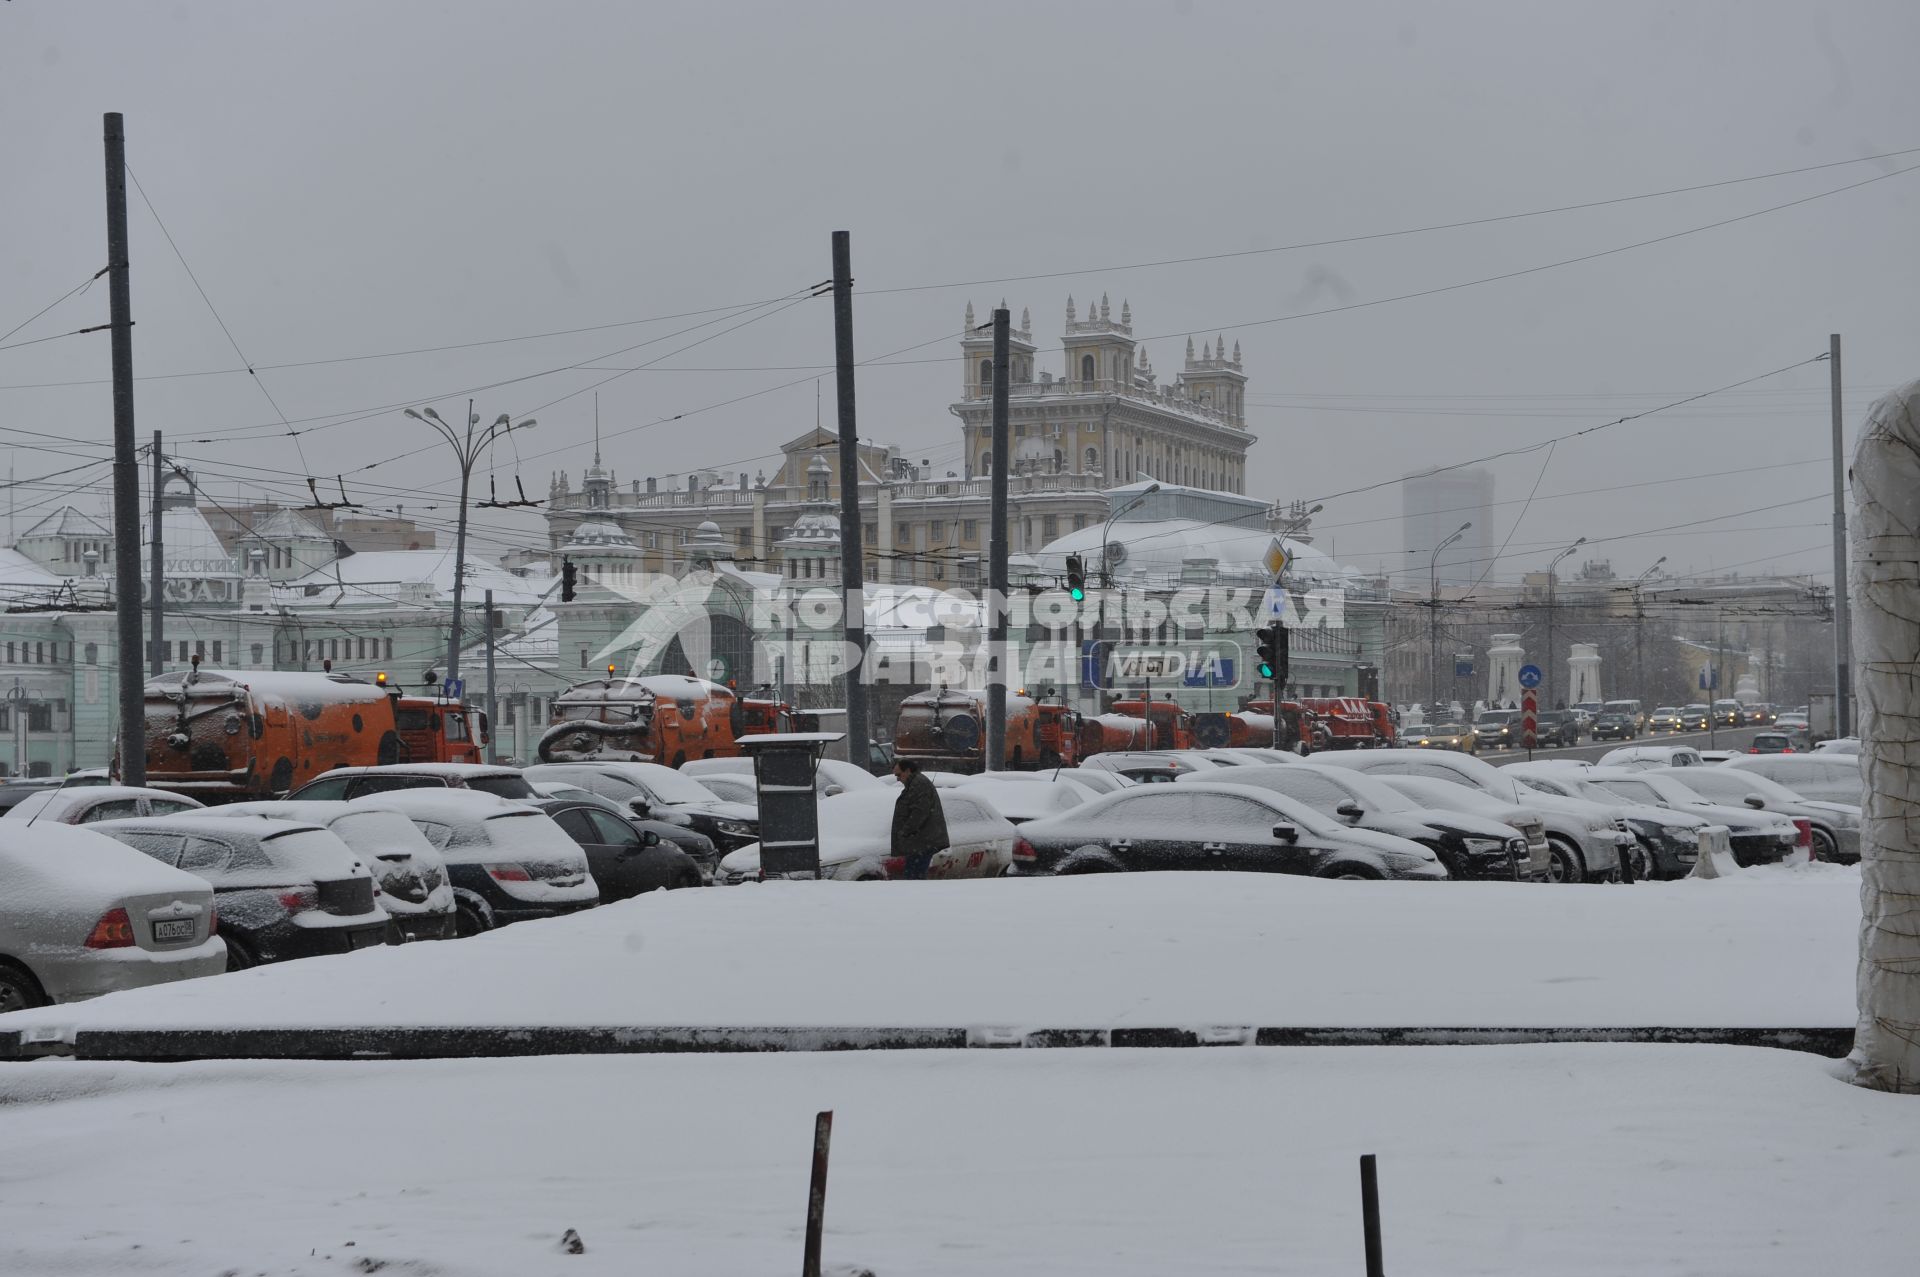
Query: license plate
{"points": [[173, 929]]}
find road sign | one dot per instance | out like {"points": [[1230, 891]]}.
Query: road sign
{"points": [[1530, 676], [1463, 667], [454, 688], [1277, 558], [1529, 711]]}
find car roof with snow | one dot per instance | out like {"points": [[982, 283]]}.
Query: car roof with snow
{"points": [[54, 803], [444, 804]]}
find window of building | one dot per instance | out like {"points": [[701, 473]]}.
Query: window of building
{"points": [[1086, 368], [1019, 429], [200, 648], [969, 529], [39, 654], [1079, 522], [39, 718], [389, 647], [743, 537], [583, 658], [986, 463], [216, 651], [869, 533], [93, 653], [259, 652], [9, 653], [903, 534], [986, 375], [1050, 527], [936, 532]]}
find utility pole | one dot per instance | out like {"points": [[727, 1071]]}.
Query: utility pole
{"points": [[1842, 622], [1433, 614], [156, 575], [852, 527], [997, 673], [492, 755], [1553, 578], [126, 468]]}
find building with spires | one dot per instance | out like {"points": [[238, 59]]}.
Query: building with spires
{"points": [[1102, 420]]}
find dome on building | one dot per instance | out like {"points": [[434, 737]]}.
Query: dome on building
{"points": [[598, 534], [815, 527]]}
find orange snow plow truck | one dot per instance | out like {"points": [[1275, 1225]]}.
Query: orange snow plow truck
{"points": [[658, 718], [228, 735], [942, 730]]}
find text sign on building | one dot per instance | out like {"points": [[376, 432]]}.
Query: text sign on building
{"points": [[1127, 665]]}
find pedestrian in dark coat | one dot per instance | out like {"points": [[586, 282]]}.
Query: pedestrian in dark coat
{"points": [[919, 823]]}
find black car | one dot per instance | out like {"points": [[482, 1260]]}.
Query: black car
{"points": [[672, 832], [1197, 825], [1614, 727], [625, 860], [1469, 846], [1556, 727], [1497, 728], [284, 889], [660, 793]]}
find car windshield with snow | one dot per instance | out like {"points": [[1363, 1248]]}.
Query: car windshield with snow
{"points": [[856, 832]]}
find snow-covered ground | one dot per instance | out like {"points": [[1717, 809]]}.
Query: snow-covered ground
{"points": [[1764, 949], [1561, 1160]]}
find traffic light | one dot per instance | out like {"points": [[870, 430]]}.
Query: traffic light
{"points": [[569, 576], [1272, 647], [1076, 578]]}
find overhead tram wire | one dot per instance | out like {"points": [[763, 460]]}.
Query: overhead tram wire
{"points": [[1378, 235], [80, 287]]}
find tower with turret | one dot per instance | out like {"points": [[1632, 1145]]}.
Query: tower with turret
{"points": [[1216, 380]]}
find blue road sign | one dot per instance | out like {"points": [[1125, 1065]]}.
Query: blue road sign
{"points": [[1530, 676], [1462, 668], [454, 688]]}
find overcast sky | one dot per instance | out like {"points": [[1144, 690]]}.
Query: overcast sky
{"points": [[358, 179]]}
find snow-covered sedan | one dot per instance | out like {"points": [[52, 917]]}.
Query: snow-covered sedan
{"points": [[1205, 824], [1831, 778], [1441, 796], [1586, 839], [414, 889], [1833, 829], [285, 890], [1757, 837], [507, 861], [90, 803], [653, 792], [81, 915], [1469, 846], [1667, 842], [856, 832]]}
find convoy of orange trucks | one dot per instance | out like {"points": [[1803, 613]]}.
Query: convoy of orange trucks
{"points": [[659, 718], [942, 729]]}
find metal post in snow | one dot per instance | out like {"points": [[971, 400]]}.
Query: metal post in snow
{"points": [[1370, 1214], [852, 525], [1842, 619], [997, 585], [131, 686], [156, 574], [493, 753], [817, 1194]]}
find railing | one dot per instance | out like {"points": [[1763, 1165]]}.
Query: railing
{"points": [[1158, 397]]}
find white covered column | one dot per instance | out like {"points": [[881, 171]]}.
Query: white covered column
{"points": [[1884, 572], [1505, 656], [1583, 673]]}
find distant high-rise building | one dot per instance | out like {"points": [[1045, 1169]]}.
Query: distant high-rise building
{"points": [[1435, 505]]}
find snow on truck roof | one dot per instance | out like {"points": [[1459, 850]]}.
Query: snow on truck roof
{"points": [[284, 685]]}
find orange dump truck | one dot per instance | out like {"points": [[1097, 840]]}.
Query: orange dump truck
{"points": [[1243, 729], [1300, 728], [1349, 722], [658, 718], [943, 730], [224, 735], [1172, 727]]}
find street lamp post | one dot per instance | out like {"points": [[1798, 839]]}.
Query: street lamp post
{"points": [[1106, 572], [1552, 579], [466, 449], [1639, 623], [1433, 614]]}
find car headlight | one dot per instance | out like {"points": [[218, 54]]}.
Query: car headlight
{"points": [[734, 828], [1408, 860], [1486, 846]]}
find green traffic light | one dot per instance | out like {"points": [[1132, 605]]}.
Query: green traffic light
{"points": [[1077, 594], [1266, 670]]}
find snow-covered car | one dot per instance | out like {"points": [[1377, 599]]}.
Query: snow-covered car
{"points": [[1025, 796], [285, 889], [625, 859], [1098, 779], [830, 775], [1212, 825], [1667, 842], [1756, 837], [90, 803], [1251, 754], [685, 837], [1146, 767], [506, 860], [1833, 828], [1586, 840], [1833, 778], [1636, 756], [660, 793], [344, 783], [730, 788], [82, 915], [856, 833], [1469, 846], [1442, 796], [1847, 746], [414, 888]]}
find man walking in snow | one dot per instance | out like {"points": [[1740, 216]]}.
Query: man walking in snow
{"points": [[919, 824]]}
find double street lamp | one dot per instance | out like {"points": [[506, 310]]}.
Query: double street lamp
{"points": [[1639, 623], [1552, 580], [467, 448]]}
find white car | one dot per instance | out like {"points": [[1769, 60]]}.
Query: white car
{"points": [[830, 775], [856, 832], [1024, 796], [1833, 828], [1097, 779], [89, 803], [1835, 778], [414, 889], [1848, 746], [1652, 756], [1587, 840], [81, 915]]}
